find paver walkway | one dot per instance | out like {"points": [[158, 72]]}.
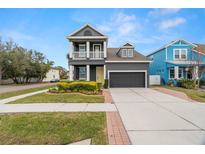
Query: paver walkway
{"points": [[152, 117]]}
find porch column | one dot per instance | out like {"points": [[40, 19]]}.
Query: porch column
{"points": [[104, 72], [176, 72], [71, 50], [105, 49], [71, 69], [88, 72], [196, 72], [88, 49]]}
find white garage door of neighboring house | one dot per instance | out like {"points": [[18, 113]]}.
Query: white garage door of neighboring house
{"points": [[127, 79], [154, 79]]}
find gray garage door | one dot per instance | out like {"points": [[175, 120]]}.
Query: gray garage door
{"points": [[127, 79]]}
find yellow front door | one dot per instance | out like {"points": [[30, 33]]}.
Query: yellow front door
{"points": [[100, 74]]}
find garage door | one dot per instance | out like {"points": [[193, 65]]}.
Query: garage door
{"points": [[127, 79]]}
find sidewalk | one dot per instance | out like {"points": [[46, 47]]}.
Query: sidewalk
{"points": [[58, 107], [10, 99]]}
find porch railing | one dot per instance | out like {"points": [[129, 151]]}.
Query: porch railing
{"points": [[96, 54]]}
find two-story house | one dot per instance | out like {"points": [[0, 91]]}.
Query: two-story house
{"points": [[90, 59], [178, 59]]}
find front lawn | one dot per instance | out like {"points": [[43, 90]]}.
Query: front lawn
{"points": [[60, 98], [21, 92], [197, 95], [52, 128]]}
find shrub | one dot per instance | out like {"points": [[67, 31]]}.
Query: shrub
{"points": [[202, 82], [86, 87], [170, 83], [188, 83], [105, 84], [99, 86]]}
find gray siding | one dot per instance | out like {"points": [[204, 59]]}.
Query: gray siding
{"points": [[86, 62], [81, 33], [128, 66]]}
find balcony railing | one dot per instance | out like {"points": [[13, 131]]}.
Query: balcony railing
{"points": [[96, 54], [79, 55], [92, 55]]}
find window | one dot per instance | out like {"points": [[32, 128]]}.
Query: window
{"points": [[176, 54], [180, 54], [124, 52], [171, 73], [183, 53], [87, 33], [82, 52], [82, 47], [130, 53], [82, 73], [180, 72]]}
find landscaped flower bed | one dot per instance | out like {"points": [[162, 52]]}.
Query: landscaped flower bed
{"points": [[85, 87]]}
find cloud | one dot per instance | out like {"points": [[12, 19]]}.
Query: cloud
{"points": [[120, 27], [163, 11], [170, 23]]}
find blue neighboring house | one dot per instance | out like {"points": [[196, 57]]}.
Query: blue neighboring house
{"points": [[178, 59]]}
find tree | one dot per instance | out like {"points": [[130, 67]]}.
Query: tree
{"points": [[21, 64], [63, 72]]}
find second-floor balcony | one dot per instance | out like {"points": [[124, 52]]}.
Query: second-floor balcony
{"points": [[81, 55]]}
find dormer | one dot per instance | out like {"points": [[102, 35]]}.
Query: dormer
{"points": [[126, 51]]}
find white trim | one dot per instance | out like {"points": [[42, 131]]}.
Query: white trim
{"points": [[166, 53], [88, 72], [105, 48], [71, 69], [104, 72], [169, 73], [133, 61], [180, 49], [87, 37], [198, 52], [165, 46], [144, 71], [96, 45], [124, 51], [88, 48]]}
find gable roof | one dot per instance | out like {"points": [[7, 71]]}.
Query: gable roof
{"points": [[113, 56], [86, 26], [171, 43]]}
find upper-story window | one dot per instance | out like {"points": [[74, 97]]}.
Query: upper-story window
{"points": [[127, 52], [180, 54], [82, 47], [87, 33]]}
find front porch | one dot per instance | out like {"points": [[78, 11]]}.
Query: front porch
{"points": [[184, 72], [87, 73]]}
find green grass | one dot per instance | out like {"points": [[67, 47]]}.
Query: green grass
{"points": [[59, 98], [197, 95], [20, 92], [52, 128]]}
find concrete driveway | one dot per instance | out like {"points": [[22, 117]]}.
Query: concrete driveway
{"points": [[152, 117]]}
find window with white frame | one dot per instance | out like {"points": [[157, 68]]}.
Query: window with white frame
{"points": [[180, 54], [124, 52], [82, 49], [129, 52], [183, 54], [82, 73], [171, 73], [176, 54]]}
